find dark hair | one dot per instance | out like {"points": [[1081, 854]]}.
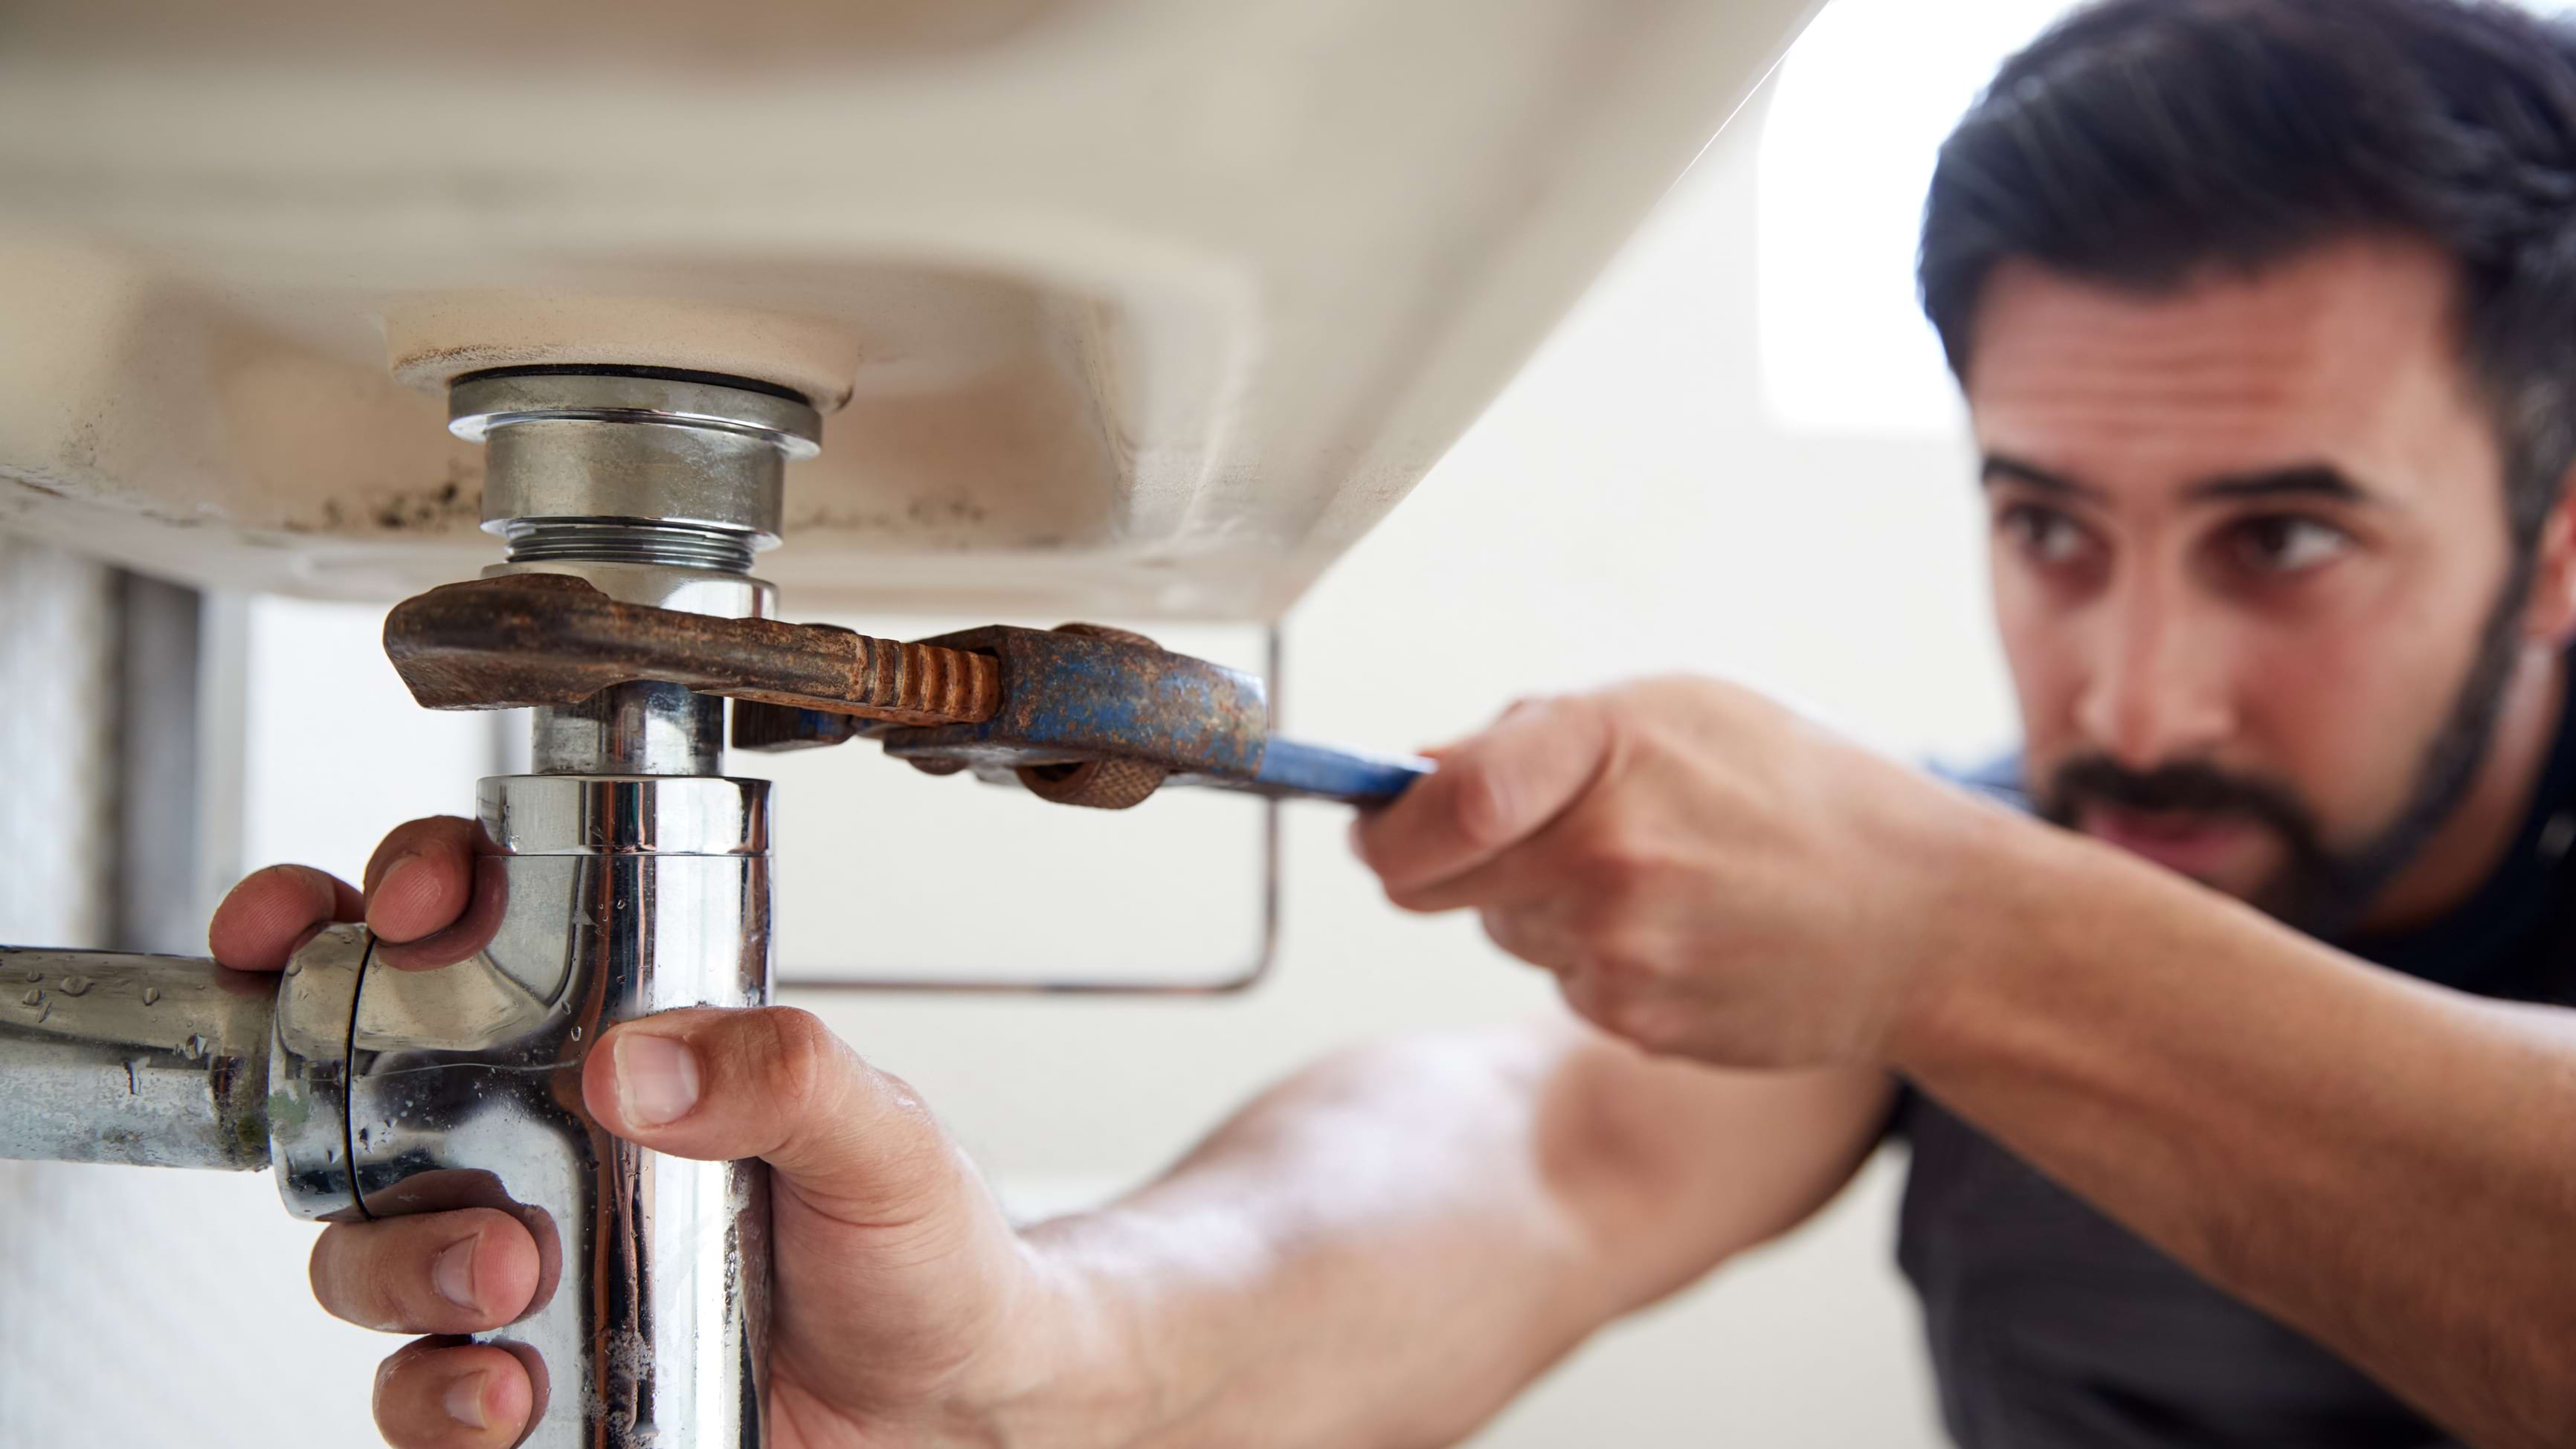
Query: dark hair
{"points": [[2139, 142]]}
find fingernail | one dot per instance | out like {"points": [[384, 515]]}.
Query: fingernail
{"points": [[464, 1400], [657, 1079], [452, 1273]]}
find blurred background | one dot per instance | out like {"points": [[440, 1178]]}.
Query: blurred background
{"points": [[1740, 456]]}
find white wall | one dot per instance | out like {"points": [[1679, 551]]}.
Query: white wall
{"points": [[1629, 506], [58, 736]]}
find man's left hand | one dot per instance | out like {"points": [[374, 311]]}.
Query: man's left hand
{"points": [[1705, 873]]}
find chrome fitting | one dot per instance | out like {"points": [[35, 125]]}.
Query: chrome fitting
{"points": [[168, 1061], [658, 488]]}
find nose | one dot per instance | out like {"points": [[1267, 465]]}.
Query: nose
{"points": [[2156, 687]]}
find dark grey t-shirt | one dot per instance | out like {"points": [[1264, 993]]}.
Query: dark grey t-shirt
{"points": [[2053, 1327]]}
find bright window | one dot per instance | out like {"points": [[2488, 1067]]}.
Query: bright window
{"points": [[1857, 112]]}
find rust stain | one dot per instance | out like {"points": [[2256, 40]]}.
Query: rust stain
{"points": [[431, 507]]}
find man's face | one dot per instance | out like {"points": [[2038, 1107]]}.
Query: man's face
{"points": [[2247, 541]]}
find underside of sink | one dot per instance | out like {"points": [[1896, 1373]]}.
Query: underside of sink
{"points": [[1144, 307]]}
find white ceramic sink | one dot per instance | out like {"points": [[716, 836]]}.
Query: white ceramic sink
{"points": [[1135, 307]]}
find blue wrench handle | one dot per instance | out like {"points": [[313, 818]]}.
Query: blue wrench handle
{"points": [[1292, 770]]}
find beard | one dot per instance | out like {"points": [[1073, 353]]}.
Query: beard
{"points": [[2320, 889]]}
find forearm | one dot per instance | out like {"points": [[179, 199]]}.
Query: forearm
{"points": [[1371, 1254], [1386, 1248], [2386, 1165]]}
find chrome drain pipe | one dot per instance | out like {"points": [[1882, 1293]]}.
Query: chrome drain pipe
{"points": [[625, 876]]}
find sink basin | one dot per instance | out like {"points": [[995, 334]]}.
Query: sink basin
{"points": [[1134, 307]]}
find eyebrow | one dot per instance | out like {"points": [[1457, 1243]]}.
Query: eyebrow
{"points": [[2303, 480], [2004, 468], [2307, 480]]}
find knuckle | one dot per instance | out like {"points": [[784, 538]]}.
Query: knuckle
{"points": [[1505, 929], [1625, 962], [396, 1290], [321, 1270], [436, 836], [1646, 1020], [1615, 860], [290, 876], [1621, 717], [1598, 871], [913, 1139], [1531, 937], [796, 1058], [1480, 806], [351, 1281], [1585, 997], [1643, 733], [1683, 690], [896, 1094], [271, 894], [382, 1275]]}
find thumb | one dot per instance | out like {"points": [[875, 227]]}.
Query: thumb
{"points": [[776, 1084], [1492, 792]]}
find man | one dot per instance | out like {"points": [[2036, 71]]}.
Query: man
{"points": [[2266, 314]]}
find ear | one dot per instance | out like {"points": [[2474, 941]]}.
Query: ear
{"points": [[2550, 617]]}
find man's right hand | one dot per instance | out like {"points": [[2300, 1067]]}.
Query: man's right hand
{"points": [[906, 1309]]}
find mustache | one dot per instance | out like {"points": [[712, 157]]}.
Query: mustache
{"points": [[2193, 787]]}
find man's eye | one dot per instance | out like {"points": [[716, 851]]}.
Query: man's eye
{"points": [[2044, 534], [2286, 544]]}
